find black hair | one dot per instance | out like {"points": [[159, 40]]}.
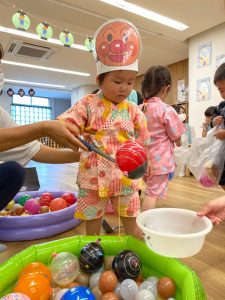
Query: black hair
{"points": [[95, 91], [100, 78], [178, 107], [210, 111], [155, 78], [220, 74], [140, 98], [1, 52]]}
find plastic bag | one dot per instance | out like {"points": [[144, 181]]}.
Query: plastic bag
{"points": [[181, 155], [206, 159]]}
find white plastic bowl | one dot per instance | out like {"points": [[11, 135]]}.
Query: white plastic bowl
{"points": [[174, 232]]}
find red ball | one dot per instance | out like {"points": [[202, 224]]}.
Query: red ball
{"points": [[46, 199], [70, 198], [130, 155], [58, 204]]}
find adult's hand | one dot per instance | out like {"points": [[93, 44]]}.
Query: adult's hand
{"points": [[214, 210], [64, 134]]}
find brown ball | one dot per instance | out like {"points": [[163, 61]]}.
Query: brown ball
{"points": [[108, 263], [97, 293], [107, 282], [44, 209], [110, 296], [83, 278], [166, 287]]}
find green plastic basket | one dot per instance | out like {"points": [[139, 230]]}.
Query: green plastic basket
{"points": [[188, 284]]}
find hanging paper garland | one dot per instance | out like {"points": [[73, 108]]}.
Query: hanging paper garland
{"points": [[66, 38], [21, 92], [31, 92], [21, 21], [10, 92], [89, 43], [44, 30]]}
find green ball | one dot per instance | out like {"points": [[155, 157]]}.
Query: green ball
{"points": [[21, 200]]}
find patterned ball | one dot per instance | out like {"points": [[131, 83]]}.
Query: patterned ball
{"points": [[78, 293], [64, 268], [58, 204], [70, 198], [127, 265], [91, 257], [22, 199], [46, 199], [130, 157], [15, 296], [32, 206]]}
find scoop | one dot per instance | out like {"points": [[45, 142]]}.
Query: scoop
{"points": [[132, 174]]}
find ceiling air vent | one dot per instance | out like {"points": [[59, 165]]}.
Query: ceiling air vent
{"points": [[28, 50]]}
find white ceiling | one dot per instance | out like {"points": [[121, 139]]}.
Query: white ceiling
{"points": [[161, 44]]}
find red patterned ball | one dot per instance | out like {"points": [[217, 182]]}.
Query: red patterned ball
{"points": [[46, 199], [70, 198], [58, 204], [130, 156]]}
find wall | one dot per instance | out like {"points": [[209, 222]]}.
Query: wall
{"points": [[197, 108], [179, 70], [80, 92], [59, 106]]}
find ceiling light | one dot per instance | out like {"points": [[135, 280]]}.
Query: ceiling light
{"points": [[148, 14], [36, 37], [35, 83], [9, 62]]}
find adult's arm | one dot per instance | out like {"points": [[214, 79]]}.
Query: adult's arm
{"points": [[62, 133]]}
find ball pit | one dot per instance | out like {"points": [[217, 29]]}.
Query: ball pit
{"points": [[21, 228], [188, 286]]}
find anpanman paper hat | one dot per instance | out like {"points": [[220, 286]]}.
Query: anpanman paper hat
{"points": [[117, 46]]}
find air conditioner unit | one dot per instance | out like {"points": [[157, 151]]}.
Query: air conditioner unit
{"points": [[28, 50]]}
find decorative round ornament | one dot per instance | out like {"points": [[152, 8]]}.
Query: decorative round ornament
{"points": [[21, 21], [127, 265], [91, 257]]}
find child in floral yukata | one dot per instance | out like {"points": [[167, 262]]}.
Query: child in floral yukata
{"points": [[107, 119], [165, 130]]}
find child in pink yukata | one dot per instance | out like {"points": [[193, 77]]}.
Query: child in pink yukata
{"points": [[165, 130], [107, 119]]}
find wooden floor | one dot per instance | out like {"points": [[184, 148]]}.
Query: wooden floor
{"points": [[184, 192]]}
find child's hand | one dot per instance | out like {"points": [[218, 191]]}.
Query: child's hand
{"points": [[217, 120], [220, 134]]}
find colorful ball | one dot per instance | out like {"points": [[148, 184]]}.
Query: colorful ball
{"points": [[45, 199], [35, 286], [131, 157], [70, 198], [32, 206], [22, 199], [15, 296], [78, 293], [91, 257], [127, 265], [58, 204], [37, 268], [64, 268]]}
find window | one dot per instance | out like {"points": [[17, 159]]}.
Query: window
{"points": [[26, 110]]}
